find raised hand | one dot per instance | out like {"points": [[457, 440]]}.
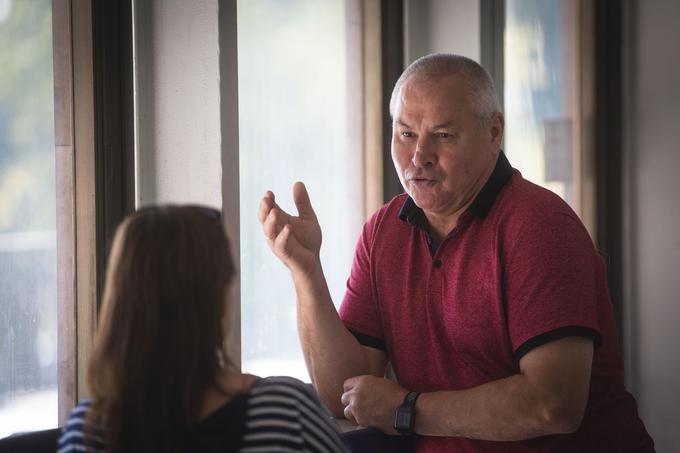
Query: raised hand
{"points": [[295, 240]]}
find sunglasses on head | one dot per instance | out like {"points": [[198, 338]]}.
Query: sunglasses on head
{"points": [[209, 212]]}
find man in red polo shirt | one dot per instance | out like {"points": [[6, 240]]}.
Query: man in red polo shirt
{"points": [[483, 290]]}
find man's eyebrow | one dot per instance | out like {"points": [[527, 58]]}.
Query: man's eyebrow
{"points": [[443, 125], [401, 123]]}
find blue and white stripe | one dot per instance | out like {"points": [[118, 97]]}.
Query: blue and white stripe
{"points": [[282, 415]]}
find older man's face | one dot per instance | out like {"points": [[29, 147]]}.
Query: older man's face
{"points": [[440, 148]]}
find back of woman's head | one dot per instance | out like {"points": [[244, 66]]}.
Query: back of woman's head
{"points": [[160, 335]]}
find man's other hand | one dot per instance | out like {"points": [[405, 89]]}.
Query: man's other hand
{"points": [[296, 240], [372, 401]]}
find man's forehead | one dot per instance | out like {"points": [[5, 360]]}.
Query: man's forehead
{"points": [[437, 100], [433, 91]]}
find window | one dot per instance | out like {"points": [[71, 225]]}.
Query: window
{"points": [[542, 103], [28, 270], [299, 119]]}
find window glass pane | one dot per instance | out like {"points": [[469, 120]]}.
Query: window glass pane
{"points": [[540, 95], [28, 295], [293, 108]]}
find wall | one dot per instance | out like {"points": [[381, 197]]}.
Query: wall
{"points": [[653, 217], [441, 26], [177, 101]]}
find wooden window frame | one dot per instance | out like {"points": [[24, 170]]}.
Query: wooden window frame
{"points": [[94, 168], [608, 21], [228, 68], [392, 65], [373, 104], [65, 207], [492, 42]]}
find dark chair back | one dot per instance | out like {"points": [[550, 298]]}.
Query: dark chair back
{"points": [[33, 442]]}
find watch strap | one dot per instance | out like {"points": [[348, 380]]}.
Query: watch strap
{"points": [[405, 415], [410, 399]]}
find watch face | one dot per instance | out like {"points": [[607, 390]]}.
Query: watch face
{"points": [[403, 419]]}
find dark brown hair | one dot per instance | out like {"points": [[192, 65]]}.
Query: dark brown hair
{"points": [[159, 345]]}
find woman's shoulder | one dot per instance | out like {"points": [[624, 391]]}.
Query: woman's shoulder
{"points": [[76, 419], [280, 384], [289, 391], [73, 433], [282, 391], [288, 412]]}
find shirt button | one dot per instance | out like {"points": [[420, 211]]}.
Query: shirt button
{"points": [[438, 263]]}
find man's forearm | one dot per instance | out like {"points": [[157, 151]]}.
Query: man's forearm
{"points": [[331, 352], [504, 410]]}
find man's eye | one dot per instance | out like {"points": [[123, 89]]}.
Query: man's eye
{"points": [[407, 134], [443, 135]]}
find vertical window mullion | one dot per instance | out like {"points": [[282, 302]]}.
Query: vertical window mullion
{"points": [[65, 190]]}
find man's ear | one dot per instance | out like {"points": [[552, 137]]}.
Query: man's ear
{"points": [[497, 127]]}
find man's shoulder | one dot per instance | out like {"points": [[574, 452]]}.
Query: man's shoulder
{"points": [[392, 208], [525, 208], [525, 199], [387, 216]]}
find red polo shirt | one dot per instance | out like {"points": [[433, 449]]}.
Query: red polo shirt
{"points": [[519, 270]]}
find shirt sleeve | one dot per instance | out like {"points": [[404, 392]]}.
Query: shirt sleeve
{"points": [[551, 281], [359, 311]]}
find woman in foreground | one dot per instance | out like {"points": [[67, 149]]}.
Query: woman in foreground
{"points": [[158, 377]]}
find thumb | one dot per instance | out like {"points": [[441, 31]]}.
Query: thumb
{"points": [[301, 198]]}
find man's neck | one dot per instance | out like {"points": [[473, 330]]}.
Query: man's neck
{"points": [[442, 224]]}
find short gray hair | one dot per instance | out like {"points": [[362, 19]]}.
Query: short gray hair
{"points": [[482, 90]]}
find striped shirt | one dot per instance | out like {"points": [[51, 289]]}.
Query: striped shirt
{"points": [[277, 414]]}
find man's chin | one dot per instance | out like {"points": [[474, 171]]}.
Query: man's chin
{"points": [[424, 203]]}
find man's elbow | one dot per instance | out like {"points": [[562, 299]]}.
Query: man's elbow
{"points": [[562, 416], [331, 400], [336, 409]]}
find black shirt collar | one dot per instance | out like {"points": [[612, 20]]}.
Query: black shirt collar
{"points": [[479, 207]]}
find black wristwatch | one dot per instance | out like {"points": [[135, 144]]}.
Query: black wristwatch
{"points": [[405, 415]]}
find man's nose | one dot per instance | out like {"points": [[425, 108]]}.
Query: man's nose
{"points": [[423, 155]]}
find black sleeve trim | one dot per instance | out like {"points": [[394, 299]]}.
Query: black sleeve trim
{"points": [[367, 340], [562, 332]]}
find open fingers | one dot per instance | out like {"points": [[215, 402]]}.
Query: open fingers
{"points": [[301, 199], [283, 243], [266, 205], [273, 223]]}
